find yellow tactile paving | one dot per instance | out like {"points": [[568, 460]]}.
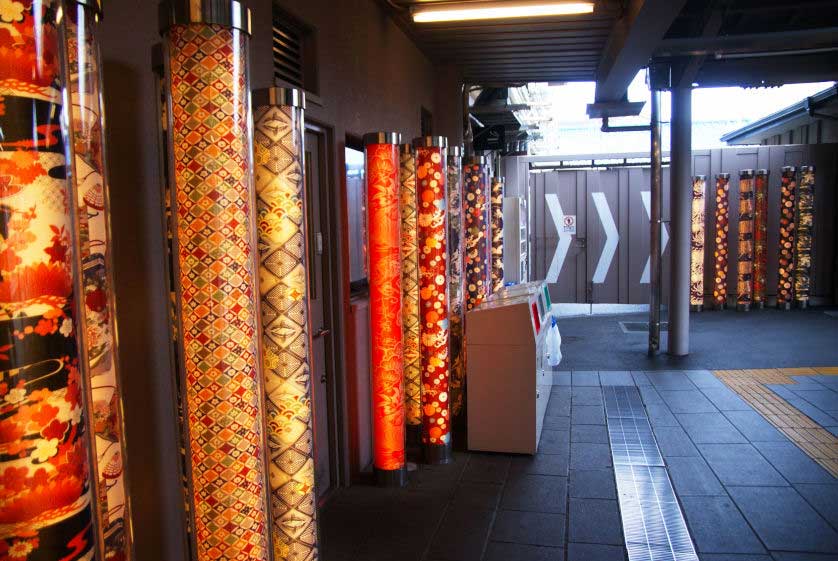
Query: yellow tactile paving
{"points": [[820, 444]]}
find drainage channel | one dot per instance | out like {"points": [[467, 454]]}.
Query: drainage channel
{"points": [[653, 523]]}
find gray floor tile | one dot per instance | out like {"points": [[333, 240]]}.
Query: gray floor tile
{"points": [[499, 551], [726, 399], [594, 552], [710, 428], [595, 521], [833, 430], [536, 493], [592, 484], [561, 378], [704, 379], [649, 394], [824, 499], [790, 556], [587, 415], [804, 383], [615, 378], [640, 379], [717, 526], [673, 380], [687, 401], [782, 390], [461, 535], [693, 477], [754, 426], [585, 378], [673, 441], [561, 392], [825, 400], [783, 520], [541, 464], [733, 557], [533, 528], [740, 464], [558, 406], [660, 415], [586, 395], [554, 442], [584, 455], [595, 434], [820, 416], [793, 463], [487, 468], [556, 423], [477, 496]]}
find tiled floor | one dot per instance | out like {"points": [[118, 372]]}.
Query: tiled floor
{"points": [[747, 492]]}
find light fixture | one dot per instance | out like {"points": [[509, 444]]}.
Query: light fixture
{"points": [[281, 211], [431, 175], [499, 10], [697, 245], [785, 261]]}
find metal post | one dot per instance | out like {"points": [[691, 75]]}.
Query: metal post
{"points": [[680, 222], [655, 228]]}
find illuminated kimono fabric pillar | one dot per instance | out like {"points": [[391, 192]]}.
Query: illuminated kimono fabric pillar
{"points": [[785, 269], [475, 215], [760, 235], [805, 231], [697, 245], [210, 142], [384, 255], [286, 331], [456, 315], [497, 233], [91, 194], [47, 507], [410, 293], [431, 175], [720, 254], [745, 261]]}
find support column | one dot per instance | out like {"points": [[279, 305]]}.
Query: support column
{"points": [[680, 217], [655, 227]]}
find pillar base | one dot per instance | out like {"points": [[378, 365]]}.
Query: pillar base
{"points": [[696, 307], [436, 454], [719, 306], [391, 477], [743, 307], [785, 306], [759, 305], [801, 304], [413, 435]]}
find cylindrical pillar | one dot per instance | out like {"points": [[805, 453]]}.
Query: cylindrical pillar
{"points": [[680, 213], [48, 487], [385, 271], [655, 276], [281, 206], [410, 294], [805, 232], [720, 251], [496, 212], [207, 78], [697, 244], [456, 313], [745, 260], [91, 194], [760, 236], [785, 268], [475, 218], [431, 179]]}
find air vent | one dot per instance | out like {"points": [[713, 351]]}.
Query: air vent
{"points": [[294, 52]]}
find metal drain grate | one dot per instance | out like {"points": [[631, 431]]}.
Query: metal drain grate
{"points": [[653, 524], [640, 326]]}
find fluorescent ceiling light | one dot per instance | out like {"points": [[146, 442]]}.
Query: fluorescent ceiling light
{"points": [[499, 10]]}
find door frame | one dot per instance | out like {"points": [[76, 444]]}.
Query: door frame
{"points": [[332, 305]]}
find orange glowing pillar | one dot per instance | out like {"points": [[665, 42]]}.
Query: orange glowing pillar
{"points": [[745, 261], [431, 176], [720, 253], [697, 245], [760, 236], [805, 234], [475, 217], [384, 256], [456, 314], [410, 294], [496, 250], [785, 267]]}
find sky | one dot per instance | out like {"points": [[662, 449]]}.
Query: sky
{"points": [[716, 111]]}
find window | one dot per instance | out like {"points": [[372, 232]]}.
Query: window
{"points": [[294, 52]]}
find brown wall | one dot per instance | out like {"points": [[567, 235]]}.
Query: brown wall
{"points": [[371, 78]]}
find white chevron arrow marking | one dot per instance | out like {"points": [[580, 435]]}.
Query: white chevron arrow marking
{"points": [[647, 204], [564, 238], [612, 237]]}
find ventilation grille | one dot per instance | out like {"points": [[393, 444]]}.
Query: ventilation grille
{"points": [[288, 53]]}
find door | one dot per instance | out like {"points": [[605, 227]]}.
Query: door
{"points": [[322, 367]]}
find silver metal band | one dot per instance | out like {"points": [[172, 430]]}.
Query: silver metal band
{"points": [[229, 13], [382, 137], [455, 151], [430, 142], [475, 161], [291, 97]]}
